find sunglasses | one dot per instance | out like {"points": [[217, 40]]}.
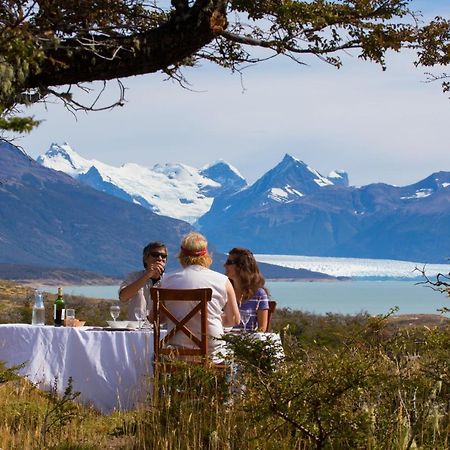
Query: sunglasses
{"points": [[230, 262], [156, 254]]}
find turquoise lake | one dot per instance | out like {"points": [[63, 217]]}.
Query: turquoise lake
{"points": [[344, 297]]}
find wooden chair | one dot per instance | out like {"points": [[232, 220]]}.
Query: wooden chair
{"points": [[169, 359], [272, 308], [197, 349]]}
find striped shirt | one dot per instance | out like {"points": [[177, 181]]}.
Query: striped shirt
{"points": [[259, 301]]}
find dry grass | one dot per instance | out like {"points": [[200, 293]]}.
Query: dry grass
{"points": [[16, 303], [345, 380], [418, 320], [192, 419], [10, 290], [23, 413]]}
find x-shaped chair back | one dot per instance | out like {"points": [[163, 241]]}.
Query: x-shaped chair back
{"points": [[198, 343]]}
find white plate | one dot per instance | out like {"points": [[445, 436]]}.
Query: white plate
{"points": [[133, 324], [117, 329], [118, 323]]}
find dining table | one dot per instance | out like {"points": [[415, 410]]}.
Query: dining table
{"points": [[111, 369], [273, 340]]}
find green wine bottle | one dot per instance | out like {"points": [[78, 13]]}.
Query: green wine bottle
{"points": [[59, 309]]}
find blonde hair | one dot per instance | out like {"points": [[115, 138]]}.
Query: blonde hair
{"points": [[192, 243]]}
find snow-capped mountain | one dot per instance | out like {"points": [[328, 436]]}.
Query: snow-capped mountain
{"points": [[292, 179], [229, 178], [338, 177], [49, 219], [294, 210], [287, 182], [174, 190]]}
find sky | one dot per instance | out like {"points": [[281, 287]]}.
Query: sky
{"points": [[389, 126]]}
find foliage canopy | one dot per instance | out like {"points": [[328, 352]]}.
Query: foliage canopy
{"points": [[49, 47]]}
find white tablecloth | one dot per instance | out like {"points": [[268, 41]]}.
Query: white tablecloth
{"points": [[275, 339], [111, 369]]}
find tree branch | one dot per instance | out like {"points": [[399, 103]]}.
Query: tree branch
{"points": [[276, 45], [180, 37]]}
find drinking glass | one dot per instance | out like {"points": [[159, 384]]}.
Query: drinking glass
{"points": [[70, 317], [253, 321], [245, 317], [114, 310], [141, 315]]}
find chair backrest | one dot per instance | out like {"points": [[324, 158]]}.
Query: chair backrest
{"points": [[272, 308], [198, 342]]}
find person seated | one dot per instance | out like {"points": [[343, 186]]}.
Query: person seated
{"points": [[135, 289], [222, 309], [248, 283]]}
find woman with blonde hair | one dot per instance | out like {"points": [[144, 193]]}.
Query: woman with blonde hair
{"points": [[222, 309], [249, 285]]}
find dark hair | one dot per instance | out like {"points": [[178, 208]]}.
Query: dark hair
{"points": [[250, 278], [148, 249]]}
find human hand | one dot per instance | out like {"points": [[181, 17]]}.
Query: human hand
{"points": [[156, 269]]}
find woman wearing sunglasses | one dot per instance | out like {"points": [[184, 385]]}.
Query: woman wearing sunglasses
{"points": [[252, 296], [135, 289]]}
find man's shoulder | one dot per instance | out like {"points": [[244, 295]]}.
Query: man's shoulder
{"points": [[217, 274], [132, 276], [172, 273], [170, 276]]}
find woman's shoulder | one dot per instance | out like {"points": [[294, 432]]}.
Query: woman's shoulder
{"points": [[260, 292]]}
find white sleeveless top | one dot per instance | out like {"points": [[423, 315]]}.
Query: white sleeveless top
{"points": [[196, 277]]}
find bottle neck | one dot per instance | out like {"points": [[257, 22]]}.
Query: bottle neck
{"points": [[59, 298]]}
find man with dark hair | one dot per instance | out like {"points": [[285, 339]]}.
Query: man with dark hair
{"points": [[135, 289]]}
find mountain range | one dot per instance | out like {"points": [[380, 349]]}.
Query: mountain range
{"points": [[291, 209], [47, 218], [174, 190], [54, 226]]}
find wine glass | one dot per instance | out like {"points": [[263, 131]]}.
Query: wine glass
{"points": [[245, 317], [253, 321], [141, 315], [114, 310]]}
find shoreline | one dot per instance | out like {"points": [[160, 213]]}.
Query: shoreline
{"points": [[109, 281], [311, 280], [42, 283], [12, 290]]}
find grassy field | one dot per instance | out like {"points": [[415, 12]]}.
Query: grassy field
{"points": [[16, 304], [346, 382]]}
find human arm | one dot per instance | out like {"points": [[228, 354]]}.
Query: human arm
{"points": [[154, 270], [231, 315], [263, 318], [262, 309]]}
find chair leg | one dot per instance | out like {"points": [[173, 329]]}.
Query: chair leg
{"points": [[155, 385]]}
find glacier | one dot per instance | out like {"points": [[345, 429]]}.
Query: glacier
{"points": [[356, 267]]}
